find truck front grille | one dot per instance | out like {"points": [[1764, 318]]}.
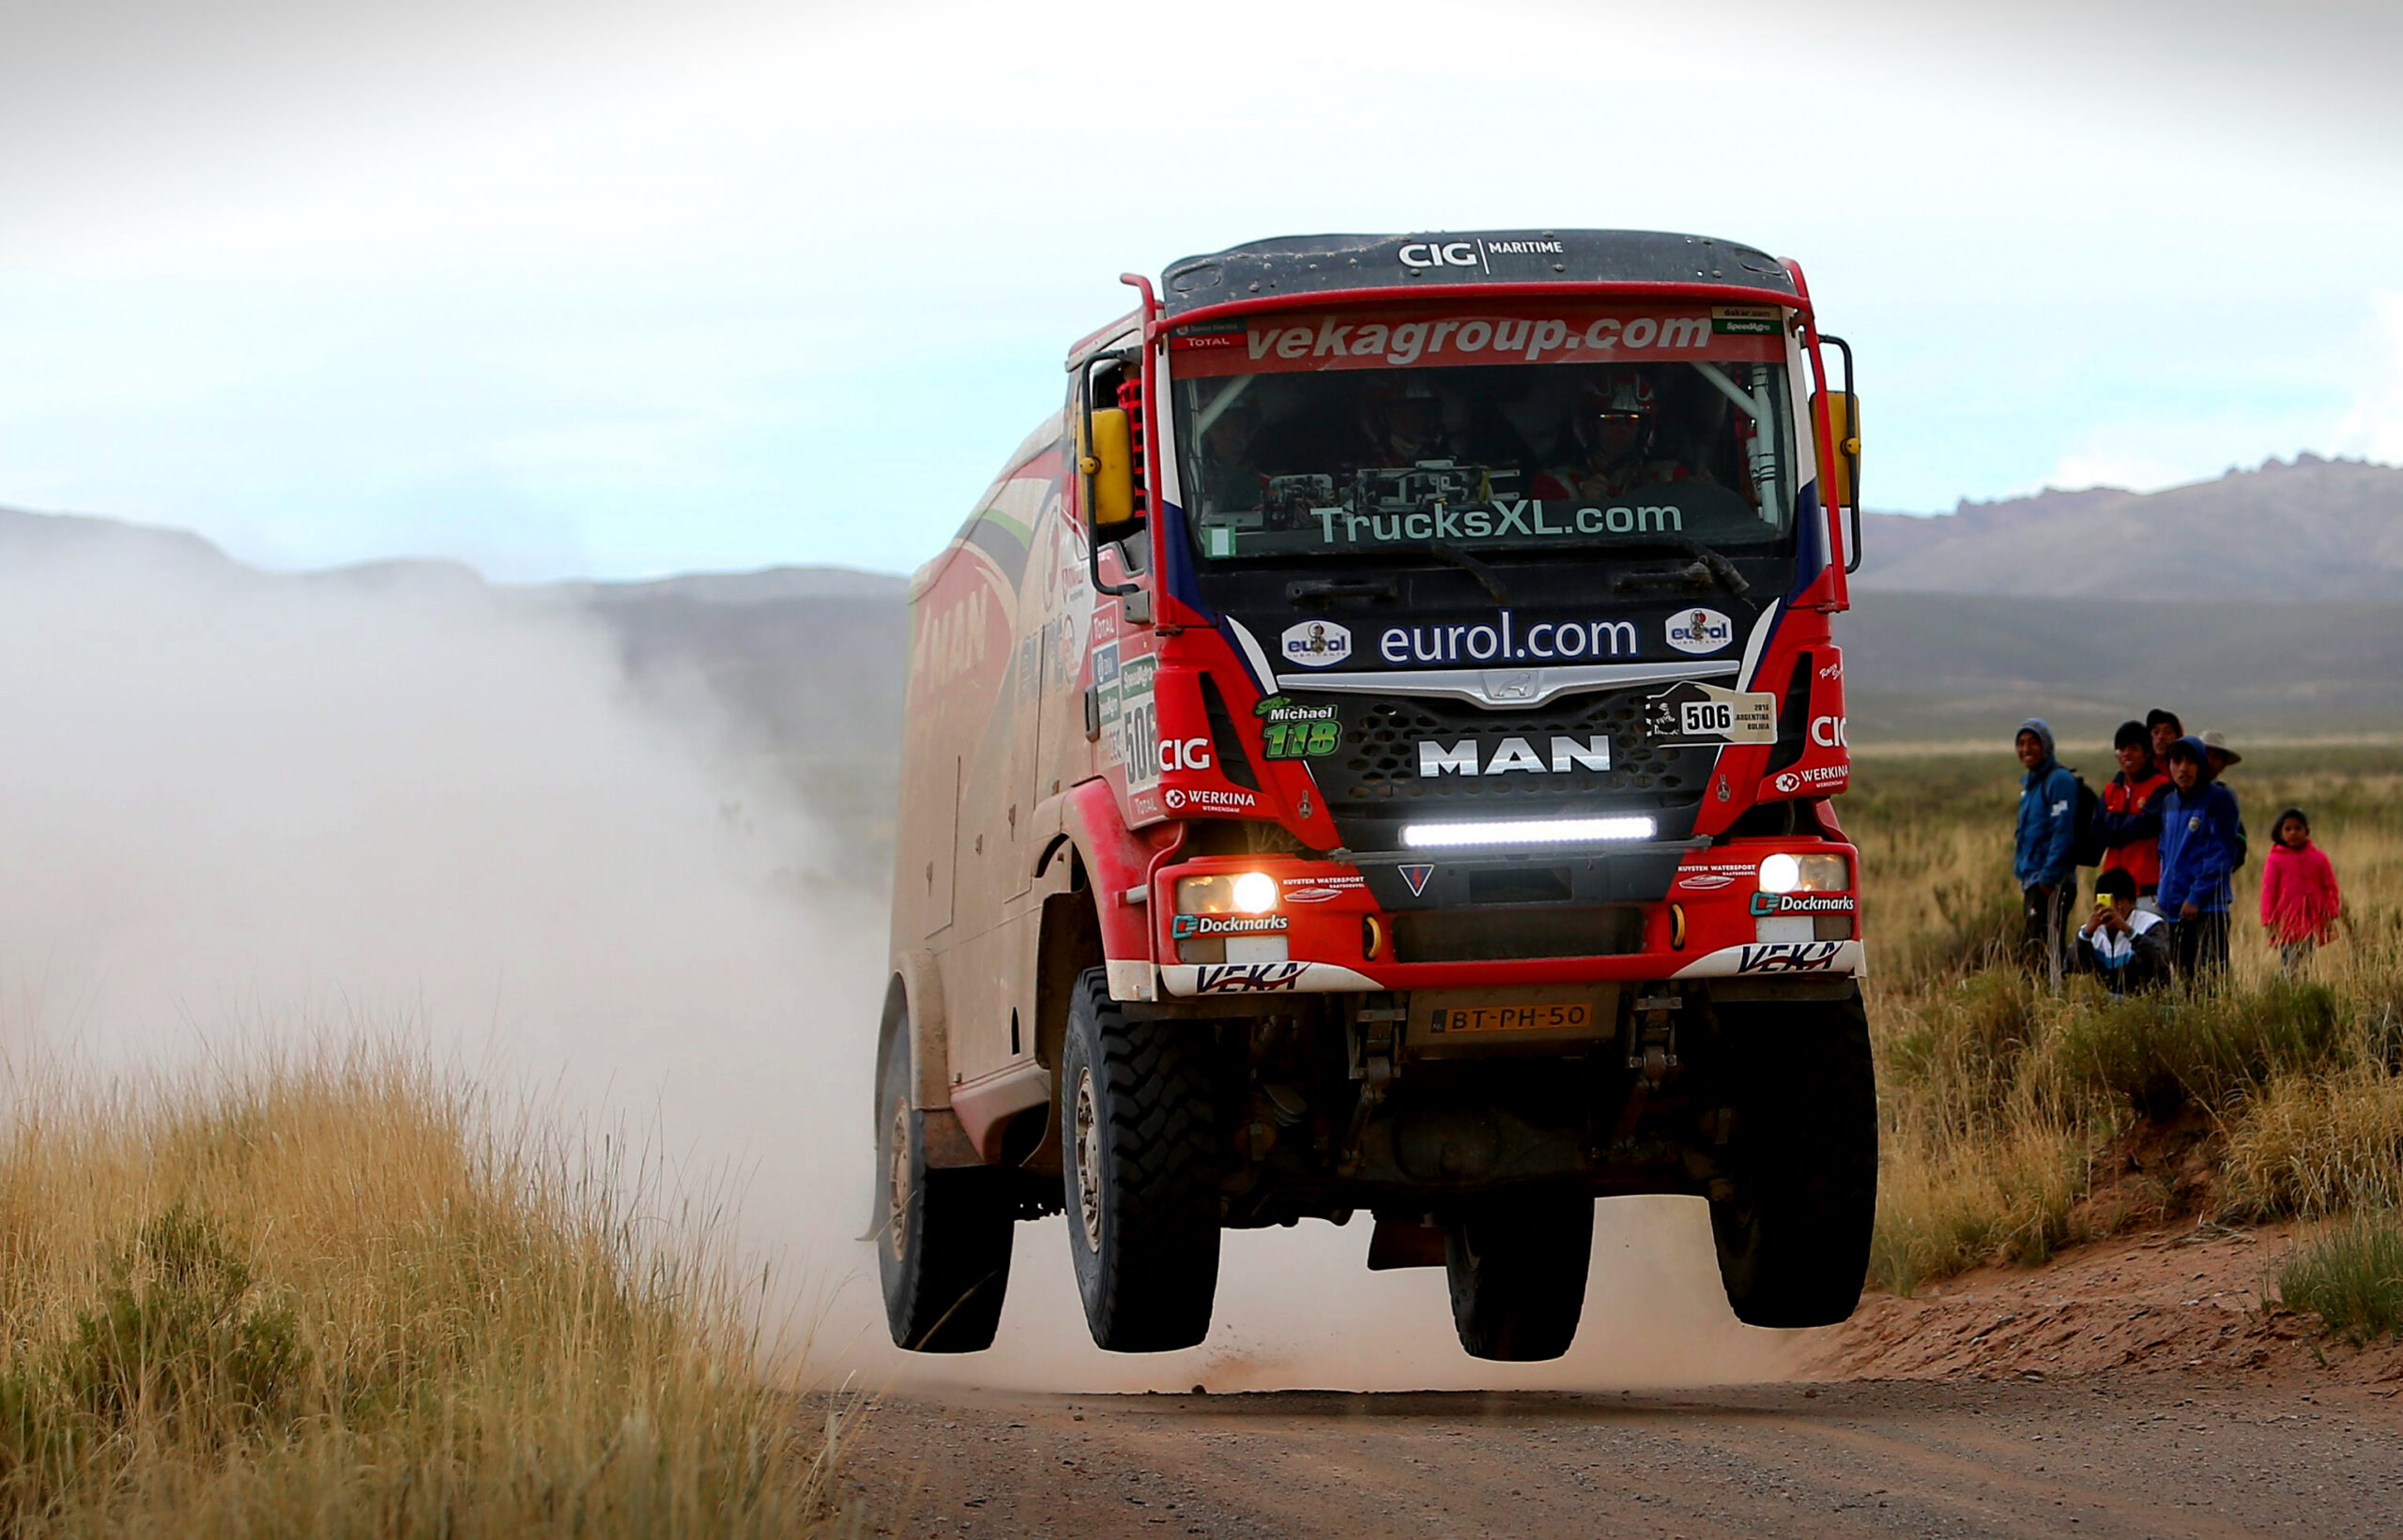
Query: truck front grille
{"points": [[1467, 936], [1380, 761]]}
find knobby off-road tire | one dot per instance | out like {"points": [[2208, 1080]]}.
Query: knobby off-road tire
{"points": [[942, 1248], [1517, 1264], [1141, 1175], [1794, 1240]]}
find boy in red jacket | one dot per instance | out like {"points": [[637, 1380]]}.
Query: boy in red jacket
{"points": [[2299, 896], [2131, 840]]}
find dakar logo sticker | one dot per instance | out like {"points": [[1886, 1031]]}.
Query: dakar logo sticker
{"points": [[1699, 630], [1317, 643]]}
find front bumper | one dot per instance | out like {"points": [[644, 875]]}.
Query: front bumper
{"points": [[1335, 934]]}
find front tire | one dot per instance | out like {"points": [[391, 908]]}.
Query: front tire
{"points": [[1517, 1263], [944, 1250], [1793, 1238], [1141, 1178]]}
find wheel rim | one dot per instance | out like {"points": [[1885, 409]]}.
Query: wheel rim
{"points": [[897, 1218], [1088, 1163]]}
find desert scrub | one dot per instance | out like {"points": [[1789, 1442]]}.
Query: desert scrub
{"points": [[2350, 1276], [1948, 1204], [344, 1296], [2156, 1051], [2311, 1146]]}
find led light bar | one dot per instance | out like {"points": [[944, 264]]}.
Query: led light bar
{"points": [[1436, 836]]}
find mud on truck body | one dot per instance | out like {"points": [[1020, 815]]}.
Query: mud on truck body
{"points": [[1372, 748]]}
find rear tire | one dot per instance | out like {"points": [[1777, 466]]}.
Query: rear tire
{"points": [[944, 1250], [1517, 1263], [1139, 1173], [1794, 1239]]}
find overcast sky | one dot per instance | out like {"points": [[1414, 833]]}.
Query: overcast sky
{"points": [[618, 290]]}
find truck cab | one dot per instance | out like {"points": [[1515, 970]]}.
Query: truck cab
{"points": [[1375, 750]]}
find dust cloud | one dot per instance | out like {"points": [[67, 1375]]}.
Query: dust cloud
{"points": [[235, 806]]}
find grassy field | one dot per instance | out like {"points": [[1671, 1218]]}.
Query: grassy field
{"points": [[348, 1296], [2017, 1121]]}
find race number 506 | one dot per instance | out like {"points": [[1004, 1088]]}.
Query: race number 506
{"points": [[1709, 716]]}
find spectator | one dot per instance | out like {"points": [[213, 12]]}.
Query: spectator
{"points": [[2198, 834], [2299, 898], [2126, 946], [2218, 755], [2043, 858], [2165, 729], [2131, 823]]}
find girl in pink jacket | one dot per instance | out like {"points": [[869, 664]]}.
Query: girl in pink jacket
{"points": [[2298, 895]]}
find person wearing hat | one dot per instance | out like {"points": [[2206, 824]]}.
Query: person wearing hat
{"points": [[2218, 755], [2199, 854]]}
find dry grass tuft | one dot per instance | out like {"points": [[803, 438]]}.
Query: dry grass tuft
{"points": [[337, 1295], [2351, 1276], [2311, 1148]]}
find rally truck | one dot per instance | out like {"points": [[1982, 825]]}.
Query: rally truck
{"points": [[1375, 748]]}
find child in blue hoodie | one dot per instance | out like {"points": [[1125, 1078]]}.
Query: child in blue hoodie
{"points": [[2200, 831], [2045, 856]]}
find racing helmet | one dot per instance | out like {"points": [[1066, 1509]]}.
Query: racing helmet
{"points": [[1407, 414], [1618, 398]]}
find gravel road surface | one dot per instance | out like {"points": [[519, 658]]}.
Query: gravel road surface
{"points": [[2152, 1454]]}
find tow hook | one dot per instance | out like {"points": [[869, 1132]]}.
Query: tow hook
{"points": [[1376, 1034], [1651, 1039]]}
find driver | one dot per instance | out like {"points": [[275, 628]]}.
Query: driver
{"points": [[1231, 482], [1404, 425], [1612, 441]]}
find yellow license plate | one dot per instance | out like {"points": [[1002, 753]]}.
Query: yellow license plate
{"points": [[1538, 1017]]}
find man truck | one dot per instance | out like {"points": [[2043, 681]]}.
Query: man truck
{"points": [[1375, 748]]}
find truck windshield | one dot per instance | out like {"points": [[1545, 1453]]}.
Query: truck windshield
{"points": [[1547, 456]]}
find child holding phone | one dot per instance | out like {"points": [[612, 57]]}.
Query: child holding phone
{"points": [[2126, 946]]}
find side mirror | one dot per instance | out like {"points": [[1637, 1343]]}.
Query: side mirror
{"points": [[1109, 465], [1843, 422]]}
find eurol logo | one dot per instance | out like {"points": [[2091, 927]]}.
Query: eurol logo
{"points": [[1316, 644], [1700, 630]]}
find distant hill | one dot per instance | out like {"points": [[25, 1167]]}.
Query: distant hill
{"points": [[809, 659], [2313, 530], [1924, 666]]}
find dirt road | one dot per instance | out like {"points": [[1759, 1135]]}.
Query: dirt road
{"points": [[2150, 1455], [2139, 1387]]}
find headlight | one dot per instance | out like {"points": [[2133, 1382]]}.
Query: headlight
{"points": [[1226, 892], [1784, 874]]}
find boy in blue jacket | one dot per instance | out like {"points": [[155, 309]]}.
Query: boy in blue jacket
{"points": [[2198, 844], [2047, 843]]}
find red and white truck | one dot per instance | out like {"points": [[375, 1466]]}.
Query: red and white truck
{"points": [[1374, 748]]}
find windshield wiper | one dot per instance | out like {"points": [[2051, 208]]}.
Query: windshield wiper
{"points": [[1489, 580], [1708, 565]]}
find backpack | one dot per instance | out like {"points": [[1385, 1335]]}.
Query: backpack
{"points": [[2086, 847]]}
